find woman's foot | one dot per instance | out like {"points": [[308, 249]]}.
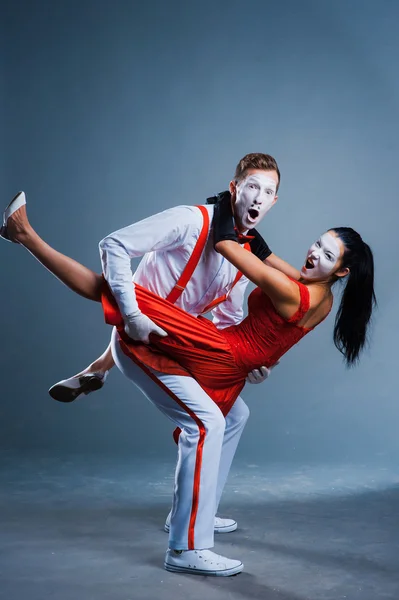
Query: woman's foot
{"points": [[70, 389], [15, 221]]}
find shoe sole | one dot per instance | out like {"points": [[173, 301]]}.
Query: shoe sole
{"points": [[190, 571], [227, 529], [4, 234], [3, 228], [62, 393]]}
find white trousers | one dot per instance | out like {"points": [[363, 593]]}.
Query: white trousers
{"points": [[206, 447]]}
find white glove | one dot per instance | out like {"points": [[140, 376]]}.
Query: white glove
{"points": [[259, 375], [138, 327]]}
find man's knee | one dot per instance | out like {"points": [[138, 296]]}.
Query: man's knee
{"points": [[213, 425], [239, 414], [214, 422]]}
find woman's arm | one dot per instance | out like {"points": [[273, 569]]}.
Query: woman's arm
{"points": [[283, 292], [281, 265]]}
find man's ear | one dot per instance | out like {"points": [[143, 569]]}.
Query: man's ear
{"points": [[233, 187], [275, 200]]}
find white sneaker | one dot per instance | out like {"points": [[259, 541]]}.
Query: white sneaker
{"points": [[201, 562], [16, 203], [221, 525], [68, 390]]}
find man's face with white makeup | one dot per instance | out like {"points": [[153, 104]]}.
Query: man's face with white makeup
{"points": [[323, 257], [255, 194]]}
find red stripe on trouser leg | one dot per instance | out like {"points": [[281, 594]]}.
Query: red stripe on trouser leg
{"points": [[200, 445], [176, 434]]}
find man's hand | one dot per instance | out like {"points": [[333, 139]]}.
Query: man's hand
{"points": [[138, 327], [259, 375]]}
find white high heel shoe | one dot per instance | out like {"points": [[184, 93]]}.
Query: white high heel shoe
{"points": [[16, 203]]}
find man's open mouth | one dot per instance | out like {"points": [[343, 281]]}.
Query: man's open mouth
{"points": [[253, 214]]}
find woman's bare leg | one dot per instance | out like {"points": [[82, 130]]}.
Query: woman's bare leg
{"points": [[89, 380], [103, 363], [74, 275], [78, 278]]}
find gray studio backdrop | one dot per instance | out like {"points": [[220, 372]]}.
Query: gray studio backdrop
{"points": [[113, 111]]}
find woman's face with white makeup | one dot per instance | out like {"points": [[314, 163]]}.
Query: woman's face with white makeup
{"points": [[255, 195], [323, 257]]}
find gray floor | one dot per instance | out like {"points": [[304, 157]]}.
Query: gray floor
{"points": [[83, 528]]}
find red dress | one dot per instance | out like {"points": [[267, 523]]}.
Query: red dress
{"points": [[219, 360]]}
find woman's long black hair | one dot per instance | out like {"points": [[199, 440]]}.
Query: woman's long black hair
{"points": [[358, 298]]}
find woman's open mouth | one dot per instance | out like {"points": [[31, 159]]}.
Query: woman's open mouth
{"points": [[309, 264]]}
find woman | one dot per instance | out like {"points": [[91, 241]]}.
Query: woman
{"points": [[281, 310]]}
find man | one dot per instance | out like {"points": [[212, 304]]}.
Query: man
{"points": [[208, 441]]}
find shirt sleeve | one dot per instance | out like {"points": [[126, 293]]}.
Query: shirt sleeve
{"points": [[231, 311], [167, 230]]}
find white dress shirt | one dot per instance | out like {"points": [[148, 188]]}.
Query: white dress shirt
{"points": [[166, 241]]}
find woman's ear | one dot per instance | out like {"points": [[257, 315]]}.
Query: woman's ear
{"points": [[342, 272]]}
